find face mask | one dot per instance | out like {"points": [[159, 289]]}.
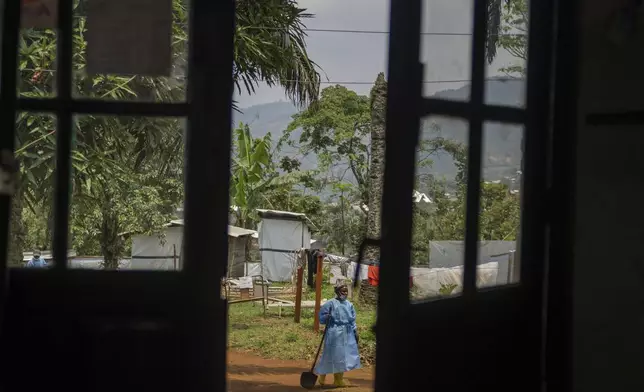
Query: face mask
{"points": [[342, 297]]}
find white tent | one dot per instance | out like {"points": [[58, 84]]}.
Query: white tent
{"points": [[158, 252], [94, 262], [281, 235], [163, 251]]}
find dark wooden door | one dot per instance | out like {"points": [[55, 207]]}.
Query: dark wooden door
{"points": [[484, 339], [84, 330]]}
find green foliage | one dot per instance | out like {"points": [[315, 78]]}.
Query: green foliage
{"points": [[250, 173], [499, 214], [341, 224], [514, 28], [447, 289], [270, 47], [498, 218], [286, 198], [257, 182], [127, 172], [336, 130]]}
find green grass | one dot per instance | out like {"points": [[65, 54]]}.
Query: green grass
{"points": [[281, 338]]}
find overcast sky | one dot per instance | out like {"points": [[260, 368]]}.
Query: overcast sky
{"points": [[360, 57]]}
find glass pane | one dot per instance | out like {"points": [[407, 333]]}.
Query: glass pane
{"points": [[128, 193], [439, 209], [37, 63], [500, 214], [32, 214], [506, 69], [132, 87], [445, 49]]}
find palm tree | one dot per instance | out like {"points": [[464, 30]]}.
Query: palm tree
{"points": [[270, 47]]}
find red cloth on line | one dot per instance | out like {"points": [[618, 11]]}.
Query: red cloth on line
{"points": [[373, 276]]}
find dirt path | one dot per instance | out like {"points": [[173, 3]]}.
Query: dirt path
{"points": [[253, 374]]}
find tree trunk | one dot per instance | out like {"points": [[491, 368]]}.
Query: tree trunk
{"points": [[344, 227], [17, 234], [111, 244], [377, 162]]}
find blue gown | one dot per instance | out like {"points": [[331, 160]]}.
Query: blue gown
{"points": [[340, 353]]}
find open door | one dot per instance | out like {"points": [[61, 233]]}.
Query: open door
{"points": [[89, 330], [485, 338]]}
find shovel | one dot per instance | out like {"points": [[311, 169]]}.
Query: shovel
{"points": [[308, 379]]}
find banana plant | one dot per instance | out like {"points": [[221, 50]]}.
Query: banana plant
{"points": [[254, 177], [251, 172]]}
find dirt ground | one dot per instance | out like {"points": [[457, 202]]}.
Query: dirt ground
{"points": [[253, 374]]}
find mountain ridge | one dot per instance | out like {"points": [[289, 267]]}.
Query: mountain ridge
{"points": [[501, 142]]}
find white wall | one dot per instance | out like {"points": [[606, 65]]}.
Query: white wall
{"points": [[158, 253]]}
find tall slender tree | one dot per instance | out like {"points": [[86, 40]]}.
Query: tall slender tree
{"points": [[378, 106]]}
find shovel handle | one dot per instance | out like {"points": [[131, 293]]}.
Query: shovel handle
{"points": [[317, 354]]}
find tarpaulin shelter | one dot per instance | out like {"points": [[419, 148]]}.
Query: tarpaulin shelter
{"points": [[237, 241], [163, 251], [281, 235], [158, 251]]}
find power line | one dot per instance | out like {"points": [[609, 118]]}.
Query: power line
{"points": [[347, 82], [424, 81], [351, 31], [359, 31]]}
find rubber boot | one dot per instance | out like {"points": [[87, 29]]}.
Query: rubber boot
{"points": [[338, 380], [321, 379]]}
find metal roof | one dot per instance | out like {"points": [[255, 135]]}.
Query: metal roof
{"points": [[233, 231], [286, 215]]}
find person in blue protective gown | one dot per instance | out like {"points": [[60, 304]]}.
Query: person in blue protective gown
{"points": [[36, 261], [340, 353]]}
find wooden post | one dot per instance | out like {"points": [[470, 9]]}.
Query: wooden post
{"points": [[264, 296], [298, 294], [174, 256], [511, 268], [318, 294]]}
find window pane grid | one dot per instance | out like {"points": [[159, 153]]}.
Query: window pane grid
{"points": [[476, 147], [206, 109], [442, 107], [477, 112]]}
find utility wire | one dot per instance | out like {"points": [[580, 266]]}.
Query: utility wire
{"points": [[423, 81], [353, 31], [358, 31], [347, 82]]}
